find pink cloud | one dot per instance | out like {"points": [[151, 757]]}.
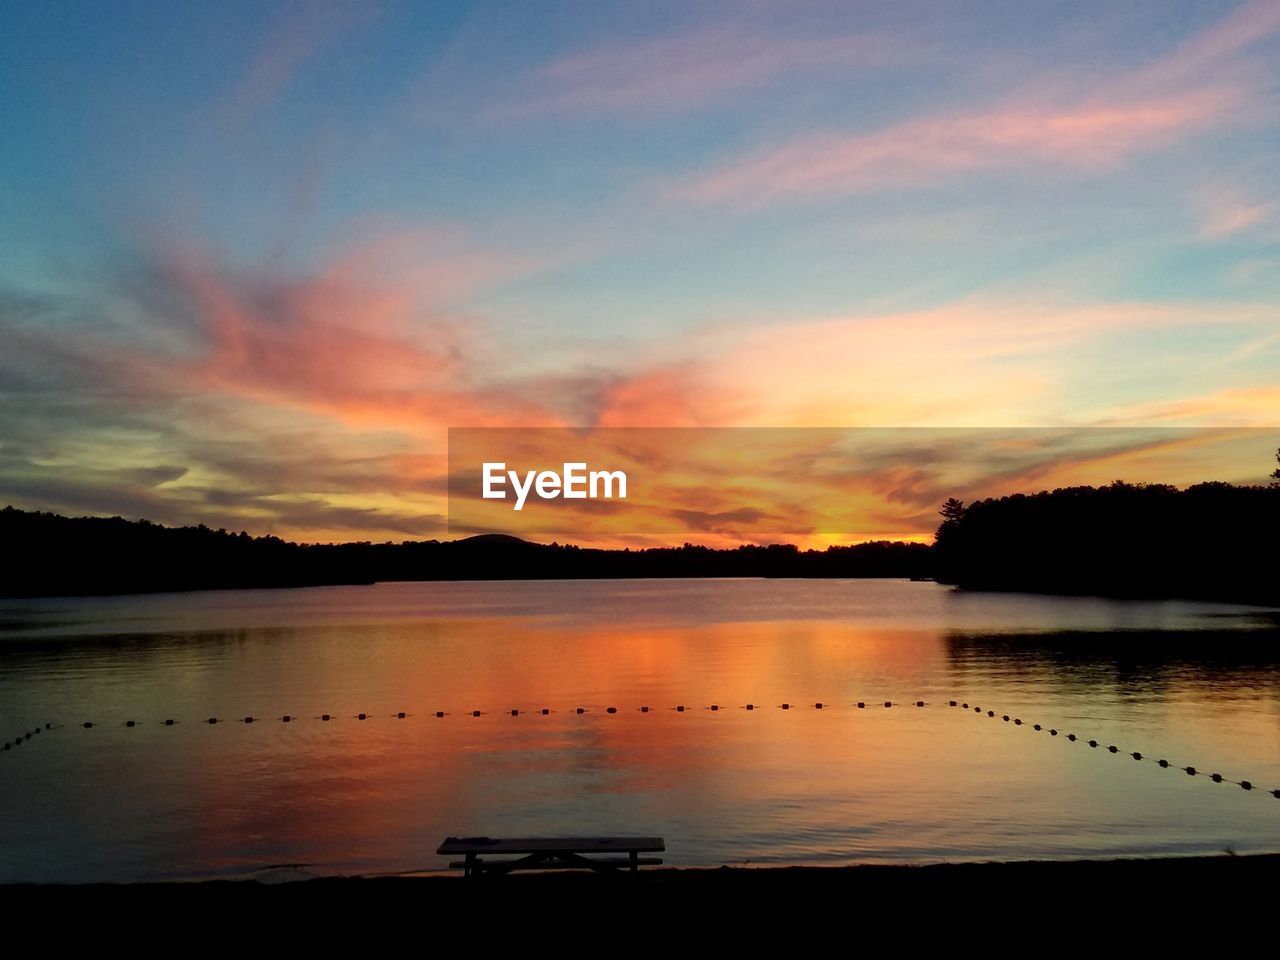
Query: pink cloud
{"points": [[1207, 83], [923, 152], [1226, 212], [1249, 24]]}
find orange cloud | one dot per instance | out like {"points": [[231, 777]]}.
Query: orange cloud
{"points": [[1252, 406], [975, 363], [361, 347]]}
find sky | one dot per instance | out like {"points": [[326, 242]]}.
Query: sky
{"points": [[259, 258]]}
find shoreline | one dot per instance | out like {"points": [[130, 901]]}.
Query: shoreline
{"points": [[1221, 900], [898, 878]]}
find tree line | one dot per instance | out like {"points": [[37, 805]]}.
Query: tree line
{"points": [[1211, 541], [52, 555]]}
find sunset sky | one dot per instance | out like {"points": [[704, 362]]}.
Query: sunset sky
{"points": [[259, 258]]}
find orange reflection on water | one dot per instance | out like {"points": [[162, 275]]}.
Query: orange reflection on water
{"points": [[840, 783]]}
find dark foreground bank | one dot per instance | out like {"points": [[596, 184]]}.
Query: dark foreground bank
{"points": [[1116, 887]]}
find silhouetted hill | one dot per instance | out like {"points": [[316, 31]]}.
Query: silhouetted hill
{"points": [[53, 555], [1210, 541]]}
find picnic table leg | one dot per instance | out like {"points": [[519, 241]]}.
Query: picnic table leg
{"points": [[469, 866], [635, 860]]}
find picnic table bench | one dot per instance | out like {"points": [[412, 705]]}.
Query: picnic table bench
{"points": [[602, 854]]}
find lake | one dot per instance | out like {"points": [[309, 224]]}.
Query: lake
{"points": [[1196, 683]]}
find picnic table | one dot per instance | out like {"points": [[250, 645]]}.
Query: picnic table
{"points": [[602, 854]]}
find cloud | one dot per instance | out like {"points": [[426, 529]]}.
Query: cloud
{"points": [[921, 153], [301, 34], [1205, 84], [363, 340], [305, 404], [699, 66], [314, 405], [1248, 25], [1236, 406], [1226, 212]]}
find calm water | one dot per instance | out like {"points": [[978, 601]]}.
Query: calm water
{"points": [[1197, 683]]}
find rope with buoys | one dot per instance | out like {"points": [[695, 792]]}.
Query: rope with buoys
{"points": [[715, 707]]}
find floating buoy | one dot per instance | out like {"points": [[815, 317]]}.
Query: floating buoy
{"points": [[1005, 717], [439, 713], [715, 706], [644, 709], [965, 706], [1071, 737], [48, 726], [1113, 748], [1246, 785], [818, 705], [213, 720], [324, 717], [1276, 794], [170, 722], [400, 715], [361, 716], [1163, 762], [475, 713], [919, 703], [1215, 777], [951, 703], [127, 723], [583, 709], [991, 713], [545, 711], [680, 708], [1093, 743], [1053, 732], [515, 713], [611, 710], [1136, 755], [250, 719], [888, 703], [1191, 771], [286, 719], [862, 705], [1017, 722], [750, 706], [786, 706], [88, 724], [1035, 726]]}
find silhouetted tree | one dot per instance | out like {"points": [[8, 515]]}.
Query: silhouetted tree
{"points": [[1208, 541], [1275, 474]]}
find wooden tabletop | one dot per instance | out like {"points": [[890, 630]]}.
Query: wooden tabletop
{"points": [[453, 846]]}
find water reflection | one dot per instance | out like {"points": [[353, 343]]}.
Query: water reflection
{"points": [[1208, 661], [769, 786]]}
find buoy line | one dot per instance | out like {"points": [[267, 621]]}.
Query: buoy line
{"points": [[713, 707]]}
